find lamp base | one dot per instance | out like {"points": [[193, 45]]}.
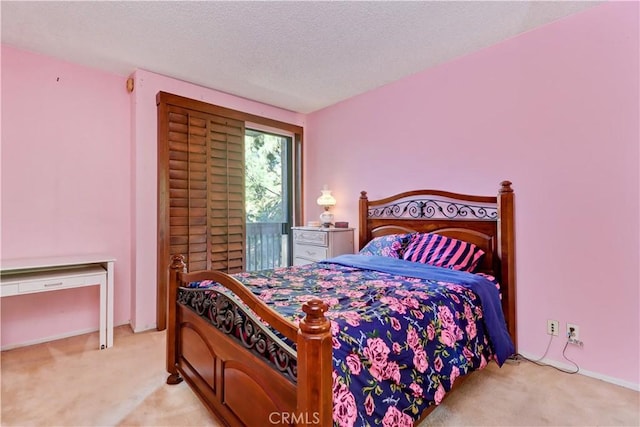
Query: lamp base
{"points": [[326, 219]]}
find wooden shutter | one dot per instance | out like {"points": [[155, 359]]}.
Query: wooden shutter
{"points": [[188, 187], [201, 212], [227, 213]]}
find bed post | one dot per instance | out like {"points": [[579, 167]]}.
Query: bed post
{"points": [[364, 236], [506, 251], [177, 266], [315, 380]]}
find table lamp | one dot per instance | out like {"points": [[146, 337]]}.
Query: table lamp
{"points": [[326, 200]]}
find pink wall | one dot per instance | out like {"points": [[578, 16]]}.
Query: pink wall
{"points": [[554, 110], [65, 185], [145, 146], [93, 146]]}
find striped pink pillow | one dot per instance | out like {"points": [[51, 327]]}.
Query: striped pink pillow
{"points": [[440, 251]]}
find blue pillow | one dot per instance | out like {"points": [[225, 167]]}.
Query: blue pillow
{"points": [[391, 245]]}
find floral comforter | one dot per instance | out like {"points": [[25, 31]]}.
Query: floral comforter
{"points": [[399, 342]]}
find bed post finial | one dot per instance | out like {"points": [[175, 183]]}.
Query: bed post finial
{"points": [[505, 187], [176, 268], [314, 322], [315, 400], [177, 263]]}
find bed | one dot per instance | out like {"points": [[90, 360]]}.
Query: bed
{"points": [[323, 349]]}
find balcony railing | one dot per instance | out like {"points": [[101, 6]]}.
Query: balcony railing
{"points": [[266, 246]]}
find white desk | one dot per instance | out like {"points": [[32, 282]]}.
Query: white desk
{"points": [[31, 275]]}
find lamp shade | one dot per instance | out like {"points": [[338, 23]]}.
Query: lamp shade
{"points": [[326, 200]]}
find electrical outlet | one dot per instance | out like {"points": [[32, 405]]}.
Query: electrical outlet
{"points": [[552, 327], [573, 334], [573, 331]]}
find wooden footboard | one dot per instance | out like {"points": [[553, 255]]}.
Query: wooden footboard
{"points": [[237, 385]]}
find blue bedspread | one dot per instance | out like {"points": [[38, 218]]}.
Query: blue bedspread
{"points": [[487, 292]]}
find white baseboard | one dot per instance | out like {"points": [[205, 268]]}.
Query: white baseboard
{"points": [[55, 337], [596, 375], [144, 328], [48, 338]]}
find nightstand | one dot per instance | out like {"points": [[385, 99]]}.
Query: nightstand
{"points": [[311, 244]]}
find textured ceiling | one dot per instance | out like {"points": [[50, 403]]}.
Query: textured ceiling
{"points": [[301, 56]]}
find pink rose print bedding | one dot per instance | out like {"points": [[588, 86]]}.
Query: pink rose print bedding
{"points": [[402, 331]]}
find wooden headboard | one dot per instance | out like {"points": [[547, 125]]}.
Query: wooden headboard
{"points": [[486, 221]]}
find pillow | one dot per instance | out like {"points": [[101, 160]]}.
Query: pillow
{"points": [[441, 251], [391, 245]]}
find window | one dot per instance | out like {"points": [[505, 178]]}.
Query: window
{"points": [[268, 199]]}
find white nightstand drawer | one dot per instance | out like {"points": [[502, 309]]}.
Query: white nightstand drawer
{"points": [[310, 252], [313, 237], [302, 261]]}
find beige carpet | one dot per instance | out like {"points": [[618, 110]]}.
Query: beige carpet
{"points": [[71, 383]]}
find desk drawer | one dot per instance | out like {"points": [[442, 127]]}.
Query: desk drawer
{"points": [[51, 281], [61, 283], [8, 289]]}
